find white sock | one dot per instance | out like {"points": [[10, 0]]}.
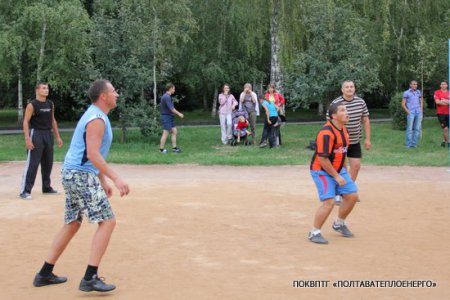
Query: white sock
{"points": [[315, 231], [340, 221]]}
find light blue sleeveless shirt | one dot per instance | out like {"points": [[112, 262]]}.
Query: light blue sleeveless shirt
{"points": [[76, 157]]}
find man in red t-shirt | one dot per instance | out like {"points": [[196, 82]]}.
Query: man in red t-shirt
{"points": [[442, 109]]}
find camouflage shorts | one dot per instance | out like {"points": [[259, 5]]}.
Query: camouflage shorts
{"points": [[84, 195]]}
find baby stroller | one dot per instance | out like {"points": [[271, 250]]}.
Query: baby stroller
{"points": [[244, 135]]}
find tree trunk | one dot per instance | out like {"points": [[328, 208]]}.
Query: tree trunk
{"points": [[275, 71], [154, 83], [205, 101], [41, 50], [214, 103], [397, 61], [320, 108], [19, 97], [154, 57]]}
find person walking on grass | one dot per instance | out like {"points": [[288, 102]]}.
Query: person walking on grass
{"points": [[328, 170], [412, 104], [227, 103], [38, 122], [441, 97], [84, 176], [167, 116]]}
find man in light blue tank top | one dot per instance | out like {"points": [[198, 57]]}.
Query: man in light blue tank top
{"points": [[87, 191]]}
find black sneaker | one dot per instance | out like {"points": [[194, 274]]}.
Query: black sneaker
{"points": [[95, 284], [40, 280], [176, 150], [50, 191]]}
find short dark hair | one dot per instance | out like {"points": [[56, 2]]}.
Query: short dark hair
{"points": [[334, 108], [38, 85], [169, 86], [97, 88]]}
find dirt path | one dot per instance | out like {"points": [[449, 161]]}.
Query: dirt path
{"points": [[195, 232]]}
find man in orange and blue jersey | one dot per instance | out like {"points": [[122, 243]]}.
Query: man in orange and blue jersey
{"points": [[330, 175]]}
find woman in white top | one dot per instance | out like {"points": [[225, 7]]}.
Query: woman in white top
{"points": [[227, 104]]}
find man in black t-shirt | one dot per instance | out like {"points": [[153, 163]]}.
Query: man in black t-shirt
{"points": [[38, 122]]}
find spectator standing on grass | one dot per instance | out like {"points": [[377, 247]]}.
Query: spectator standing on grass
{"points": [[271, 119], [412, 104], [227, 103], [275, 97], [167, 119], [441, 97], [248, 101]]}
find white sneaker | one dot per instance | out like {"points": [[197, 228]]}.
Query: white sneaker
{"points": [[26, 196]]}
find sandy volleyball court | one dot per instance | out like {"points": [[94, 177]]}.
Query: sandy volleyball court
{"points": [[220, 232]]}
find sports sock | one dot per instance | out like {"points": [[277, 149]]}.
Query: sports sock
{"points": [[340, 221], [46, 270], [315, 231], [90, 272]]}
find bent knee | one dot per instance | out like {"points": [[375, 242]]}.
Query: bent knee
{"points": [[351, 197], [328, 203]]}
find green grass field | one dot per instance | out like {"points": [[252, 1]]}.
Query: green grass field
{"points": [[201, 145]]}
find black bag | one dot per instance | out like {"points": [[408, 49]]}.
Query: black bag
{"points": [[312, 145]]}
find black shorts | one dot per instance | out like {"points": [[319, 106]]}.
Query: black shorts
{"points": [[354, 151], [443, 120]]}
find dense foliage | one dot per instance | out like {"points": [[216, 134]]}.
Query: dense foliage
{"points": [[199, 45]]}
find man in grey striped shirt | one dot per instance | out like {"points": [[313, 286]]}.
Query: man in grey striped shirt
{"points": [[358, 113]]}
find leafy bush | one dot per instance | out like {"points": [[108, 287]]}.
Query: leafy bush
{"points": [[397, 113], [145, 116]]}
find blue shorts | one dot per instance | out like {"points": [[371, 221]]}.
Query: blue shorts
{"points": [[328, 188], [167, 122]]}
